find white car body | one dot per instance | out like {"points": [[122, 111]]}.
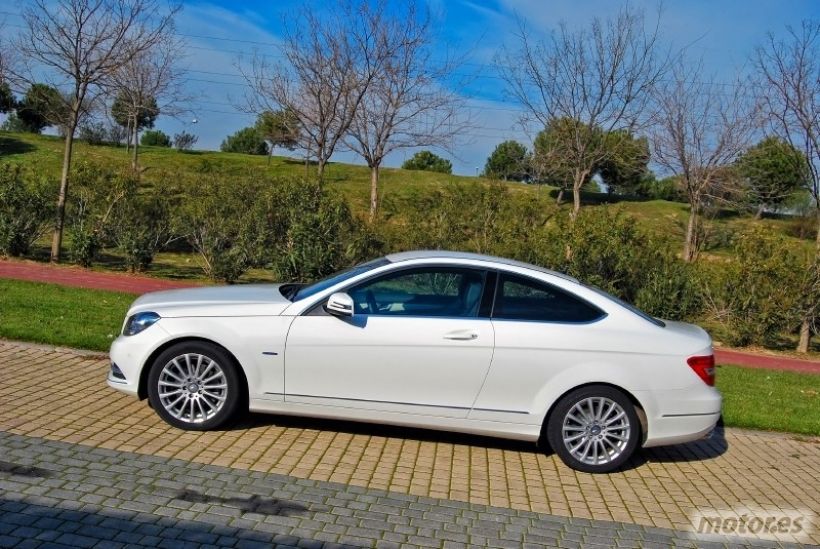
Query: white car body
{"points": [[475, 375]]}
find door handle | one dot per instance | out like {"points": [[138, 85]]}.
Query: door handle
{"points": [[461, 335]]}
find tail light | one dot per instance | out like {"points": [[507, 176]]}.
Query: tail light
{"points": [[704, 366]]}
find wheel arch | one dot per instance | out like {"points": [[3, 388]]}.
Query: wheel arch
{"points": [[639, 409], [142, 387]]}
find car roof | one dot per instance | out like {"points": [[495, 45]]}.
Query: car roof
{"points": [[445, 254]]}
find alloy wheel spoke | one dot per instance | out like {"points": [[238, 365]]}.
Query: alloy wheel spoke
{"points": [[213, 377], [220, 398]]}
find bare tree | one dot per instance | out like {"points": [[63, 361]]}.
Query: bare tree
{"points": [[80, 44], [601, 77], [701, 128], [150, 82], [405, 104], [789, 73], [328, 65], [5, 54]]}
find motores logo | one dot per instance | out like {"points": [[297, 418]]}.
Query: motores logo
{"points": [[770, 524]]}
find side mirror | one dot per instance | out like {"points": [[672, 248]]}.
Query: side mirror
{"points": [[340, 304]]}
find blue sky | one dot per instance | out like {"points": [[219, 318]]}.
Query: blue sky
{"points": [[220, 32]]}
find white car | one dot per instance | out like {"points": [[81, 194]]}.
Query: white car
{"points": [[439, 340]]}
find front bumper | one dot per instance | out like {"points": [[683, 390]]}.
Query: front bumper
{"points": [[129, 354]]}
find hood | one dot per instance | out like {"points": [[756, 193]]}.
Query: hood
{"points": [[239, 300]]}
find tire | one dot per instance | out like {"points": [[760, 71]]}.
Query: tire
{"points": [[594, 429], [201, 387]]}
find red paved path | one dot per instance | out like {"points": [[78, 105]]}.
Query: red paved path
{"points": [[769, 362], [121, 282], [84, 278]]}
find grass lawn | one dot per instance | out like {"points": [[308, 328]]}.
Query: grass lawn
{"points": [[58, 315], [90, 319], [770, 400]]}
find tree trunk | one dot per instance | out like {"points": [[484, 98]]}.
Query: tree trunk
{"points": [[759, 214], [804, 343], [817, 235], [57, 239], [576, 201], [577, 183], [134, 152], [320, 169], [127, 135], [689, 243], [560, 197], [805, 336], [374, 192]]}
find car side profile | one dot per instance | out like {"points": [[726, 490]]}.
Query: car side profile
{"points": [[439, 340]]}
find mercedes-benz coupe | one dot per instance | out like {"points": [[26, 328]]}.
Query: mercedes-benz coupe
{"points": [[438, 340]]}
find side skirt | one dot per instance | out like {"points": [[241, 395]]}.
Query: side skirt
{"points": [[512, 431]]}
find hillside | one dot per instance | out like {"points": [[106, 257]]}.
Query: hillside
{"points": [[352, 181]]}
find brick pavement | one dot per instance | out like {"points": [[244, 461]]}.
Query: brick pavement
{"points": [[60, 495], [60, 395]]}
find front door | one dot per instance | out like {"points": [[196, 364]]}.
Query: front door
{"points": [[416, 343]]}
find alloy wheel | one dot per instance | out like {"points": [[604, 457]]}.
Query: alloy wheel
{"points": [[192, 387], [596, 430]]}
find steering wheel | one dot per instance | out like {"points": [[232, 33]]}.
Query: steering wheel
{"points": [[372, 306]]}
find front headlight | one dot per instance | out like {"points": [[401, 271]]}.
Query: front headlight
{"points": [[138, 322]]}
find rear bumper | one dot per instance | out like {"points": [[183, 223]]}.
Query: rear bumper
{"points": [[679, 429], [680, 416]]}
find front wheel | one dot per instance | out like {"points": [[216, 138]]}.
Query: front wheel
{"points": [[594, 429], [194, 386]]}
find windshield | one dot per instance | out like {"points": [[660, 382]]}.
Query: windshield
{"points": [[341, 276], [625, 305]]}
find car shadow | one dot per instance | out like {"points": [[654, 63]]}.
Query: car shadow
{"points": [[712, 446], [253, 420]]}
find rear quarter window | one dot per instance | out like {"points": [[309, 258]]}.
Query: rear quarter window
{"points": [[522, 298]]}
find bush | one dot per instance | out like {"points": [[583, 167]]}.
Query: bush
{"points": [[117, 135], [184, 141], [315, 233], [141, 227], [245, 141], [94, 133], [756, 296], [427, 161], [155, 138], [225, 226], [26, 209], [671, 289], [96, 192]]}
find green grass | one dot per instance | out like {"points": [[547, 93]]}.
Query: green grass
{"points": [[90, 319], [58, 315], [770, 400]]}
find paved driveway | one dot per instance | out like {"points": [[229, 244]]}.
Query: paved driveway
{"points": [[59, 396]]}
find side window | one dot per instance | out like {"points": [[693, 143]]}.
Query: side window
{"points": [[428, 291], [520, 298]]}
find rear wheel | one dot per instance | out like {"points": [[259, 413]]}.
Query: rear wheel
{"points": [[594, 429], [194, 386]]}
